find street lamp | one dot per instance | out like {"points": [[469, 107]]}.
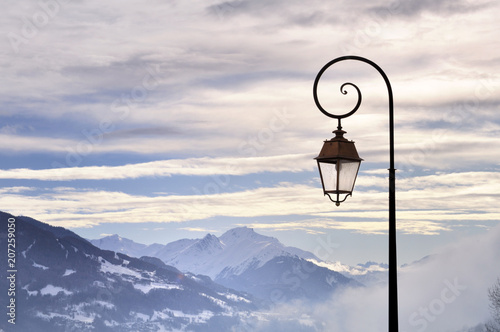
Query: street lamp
{"points": [[338, 164]]}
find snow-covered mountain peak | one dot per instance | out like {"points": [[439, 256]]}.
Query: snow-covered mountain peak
{"points": [[209, 244], [240, 231], [210, 237], [240, 235], [115, 237], [234, 252], [117, 243]]}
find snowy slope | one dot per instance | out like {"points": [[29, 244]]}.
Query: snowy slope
{"points": [[233, 253]]}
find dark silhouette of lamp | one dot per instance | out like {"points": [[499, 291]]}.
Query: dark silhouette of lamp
{"points": [[338, 164]]}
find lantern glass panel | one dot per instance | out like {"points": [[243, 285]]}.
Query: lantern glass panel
{"points": [[348, 171], [328, 172]]}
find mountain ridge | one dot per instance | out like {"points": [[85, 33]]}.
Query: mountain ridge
{"points": [[217, 257], [64, 283], [247, 261]]}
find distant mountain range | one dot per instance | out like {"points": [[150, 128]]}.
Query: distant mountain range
{"points": [[247, 261], [233, 253], [67, 283], [64, 283]]}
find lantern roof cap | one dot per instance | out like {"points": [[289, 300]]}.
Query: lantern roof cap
{"points": [[338, 148]]}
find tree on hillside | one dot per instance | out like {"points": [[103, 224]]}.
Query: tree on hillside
{"points": [[494, 296]]}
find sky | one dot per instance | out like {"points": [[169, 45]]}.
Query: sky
{"points": [[163, 120]]}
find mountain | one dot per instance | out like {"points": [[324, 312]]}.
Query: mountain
{"points": [[233, 253], [250, 262], [289, 278], [125, 246], [59, 281]]}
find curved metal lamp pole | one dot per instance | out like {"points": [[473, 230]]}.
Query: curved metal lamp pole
{"points": [[393, 284]]}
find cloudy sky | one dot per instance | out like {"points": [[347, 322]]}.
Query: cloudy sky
{"points": [[161, 120]]}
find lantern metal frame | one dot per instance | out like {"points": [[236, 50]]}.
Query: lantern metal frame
{"points": [[393, 286]]}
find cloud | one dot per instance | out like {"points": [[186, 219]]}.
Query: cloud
{"points": [[143, 132], [105, 234], [16, 190], [217, 94], [440, 7], [198, 229], [25, 144], [428, 205], [444, 292], [277, 14], [11, 129], [165, 168]]}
